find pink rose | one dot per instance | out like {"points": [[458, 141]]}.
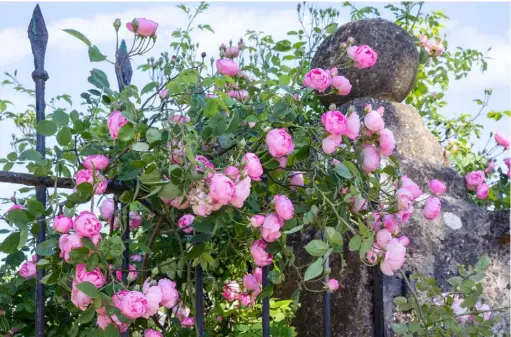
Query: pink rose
{"points": [[358, 204], [363, 55], [246, 300], [256, 220], [15, 207], [142, 26], [502, 140], [371, 159], [437, 187], [188, 322], [459, 310], [79, 299], [132, 274], [282, 162], [253, 166], [153, 295], [240, 95], [334, 122], [390, 223], [271, 228], [332, 285], [394, 257], [98, 182], [200, 202], [333, 72], [179, 119], [107, 209], [284, 207], [433, 47], [331, 143], [231, 291], [205, 161], [67, 242], [164, 93], [241, 193], [372, 257], [136, 257], [98, 162], [404, 240], [474, 179], [352, 126], [116, 121], [404, 216], [250, 282], [227, 67], [135, 220], [170, 295], [232, 172], [103, 319], [231, 52], [432, 208], [179, 202], [152, 333], [383, 237], [373, 121], [185, 223], [507, 161], [482, 307], [95, 276], [491, 166], [221, 189], [296, 179], [62, 224], [279, 143], [258, 252], [482, 191], [258, 274], [134, 305], [387, 142], [87, 224], [317, 79], [341, 84], [27, 270], [404, 199], [411, 186]]}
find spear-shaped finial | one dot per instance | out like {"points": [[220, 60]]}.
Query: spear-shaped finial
{"points": [[38, 36], [123, 68]]}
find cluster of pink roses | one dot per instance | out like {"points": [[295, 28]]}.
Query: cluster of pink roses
{"points": [[434, 47], [475, 181], [227, 66], [86, 225], [320, 80], [252, 285], [459, 310], [91, 174], [232, 51]]}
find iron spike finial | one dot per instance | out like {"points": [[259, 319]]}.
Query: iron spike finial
{"points": [[38, 36], [123, 68]]}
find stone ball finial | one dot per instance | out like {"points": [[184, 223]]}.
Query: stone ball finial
{"points": [[393, 75]]}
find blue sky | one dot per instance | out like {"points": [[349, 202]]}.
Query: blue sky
{"points": [[473, 25]]}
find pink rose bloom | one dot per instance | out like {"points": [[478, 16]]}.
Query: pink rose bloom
{"points": [[152, 333], [179, 119], [279, 143], [241, 193], [62, 224], [153, 295], [373, 121], [221, 190], [334, 122], [142, 26], [232, 172], [387, 142], [79, 299], [258, 274], [390, 223], [253, 166], [200, 202], [363, 55], [332, 285], [27, 270], [371, 159], [103, 319], [404, 216], [437, 187], [250, 282], [135, 220], [87, 224], [245, 300], [331, 143], [188, 322], [258, 252], [358, 204], [394, 257], [482, 191], [136, 257], [231, 291], [404, 199], [352, 126], [404, 240], [482, 307], [95, 276], [256, 220], [411, 186], [432, 208], [107, 209], [333, 72], [179, 202], [86, 176], [170, 295], [371, 257], [98, 162], [296, 180], [282, 162], [67, 242], [205, 161], [240, 95], [459, 310], [115, 122], [317, 79], [134, 305], [341, 84], [164, 93], [185, 223], [15, 207], [132, 274], [227, 67], [383, 237], [284, 207], [474, 179], [502, 140], [231, 52], [507, 161], [271, 228]]}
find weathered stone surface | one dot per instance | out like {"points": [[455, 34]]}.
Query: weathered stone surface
{"points": [[393, 75]]}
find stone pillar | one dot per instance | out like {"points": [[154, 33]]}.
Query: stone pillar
{"points": [[462, 233]]}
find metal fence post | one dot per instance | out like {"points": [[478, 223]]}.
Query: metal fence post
{"points": [[327, 323], [38, 36], [266, 304], [199, 301]]}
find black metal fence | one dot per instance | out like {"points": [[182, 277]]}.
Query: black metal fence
{"points": [[38, 36]]}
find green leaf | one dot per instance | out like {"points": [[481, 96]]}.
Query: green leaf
{"points": [[140, 147], [128, 172], [127, 132], [12, 156], [46, 128], [170, 191], [78, 35], [60, 117], [30, 155], [98, 79], [314, 270], [10, 243], [95, 55], [333, 236], [64, 136], [400, 328], [211, 108], [355, 243], [111, 331], [87, 315], [267, 292], [284, 80], [400, 300], [331, 28], [343, 171], [148, 88], [52, 278], [455, 281], [483, 263], [153, 135], [47, 248], [8, 166], [35, 207], [316, 247], [20, 218], [88, 289], [423, 56]]}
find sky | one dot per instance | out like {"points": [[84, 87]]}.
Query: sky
{"points": [[471, 25]]}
